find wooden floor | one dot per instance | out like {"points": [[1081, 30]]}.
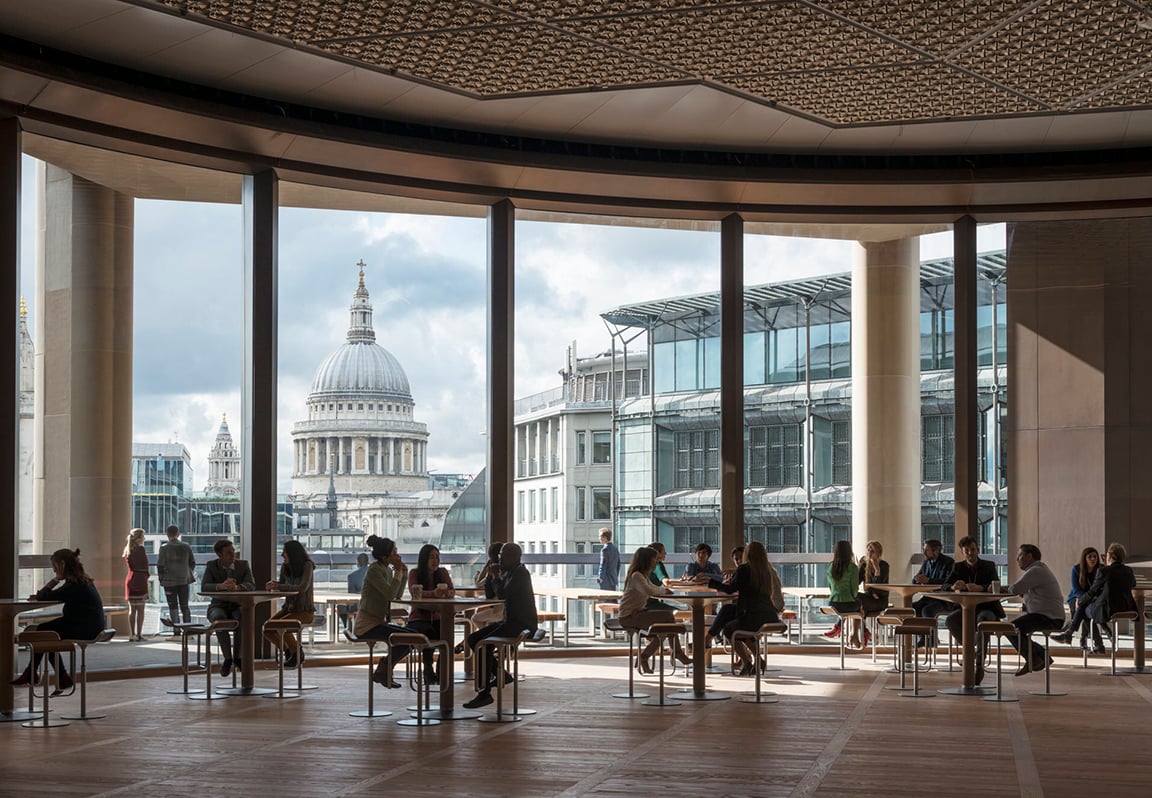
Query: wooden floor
{"points": [[832, 733]]}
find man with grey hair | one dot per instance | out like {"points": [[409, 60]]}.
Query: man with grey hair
{"points": [[176, 568], [608, 577]]}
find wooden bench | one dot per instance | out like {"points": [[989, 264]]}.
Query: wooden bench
{"points": [[551, 618]]}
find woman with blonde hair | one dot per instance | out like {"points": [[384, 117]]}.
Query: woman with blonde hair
{"points": [[136, 582], [638, 589], [755, 584], [873, 570]]}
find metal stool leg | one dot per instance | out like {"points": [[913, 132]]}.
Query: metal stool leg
{"points": [[633, 657], [82, 677], [661, 701], [760, 652], [280, 692], [414, 670], [45, 722], [1047, 691], [907, 639], [184, 666], [999, 696]]}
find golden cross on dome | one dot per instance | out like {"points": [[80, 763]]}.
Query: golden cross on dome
{"points": [[361, 264]]}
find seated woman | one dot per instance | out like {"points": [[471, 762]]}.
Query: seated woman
{"points": [[383, 583], [638, 589], [737, 558], [843, 577], [703, 569], [427, 575], [755, 583], [873, 569], [296, 575], [659, 577], [81, 617], [1083, 575], [1111, 592]]}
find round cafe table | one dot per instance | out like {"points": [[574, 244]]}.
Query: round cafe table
{"points": [[247, 599], [9, 609], [968, 603], [698, 599]]}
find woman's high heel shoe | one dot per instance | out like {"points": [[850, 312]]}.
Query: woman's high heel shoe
{"points": [[645, 664]]}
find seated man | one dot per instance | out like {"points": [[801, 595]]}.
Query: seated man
{"points": [[973, 575], [226, 573], [515, 587], [933, 571], [1043, 605]]}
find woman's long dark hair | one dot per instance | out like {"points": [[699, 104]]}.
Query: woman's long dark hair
{"points": [[1082, 577], [382, 548], [643, 560], [73, 569], [297, 556], [424, 578], [841, 558]]}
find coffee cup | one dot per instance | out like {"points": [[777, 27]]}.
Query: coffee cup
{"points": [[415, 590], [441, 589]]}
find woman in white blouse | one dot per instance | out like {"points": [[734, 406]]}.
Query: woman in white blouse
{"points": [[638, 588]]}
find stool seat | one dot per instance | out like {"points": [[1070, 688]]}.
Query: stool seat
{"points": [[663, 631], [1000, 630], [843, 615], [506, 647], [371, 642], [759, 655], [44, 642], [282, 626]]}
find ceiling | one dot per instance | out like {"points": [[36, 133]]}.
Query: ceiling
{"points": [[877, 110]]}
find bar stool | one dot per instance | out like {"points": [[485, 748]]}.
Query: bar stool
{"points": [[1114, 626], [468, 659], [664, 633], [183, 629], [999, 630], [843, 616], [221, 625], [898, 655], [614, 625], [414, 664], [1027, 641], [82, 674], [909, 629], [759, 654], [505, 649], [49, 644], [280, 627], [371, 712]]}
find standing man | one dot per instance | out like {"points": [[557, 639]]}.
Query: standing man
{"points": [[356, 586], [176, 567], [608, 577], [1043, 605], [973, 575], [226, 574], [515, 587]]}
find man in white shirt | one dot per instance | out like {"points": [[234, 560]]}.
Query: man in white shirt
{"points": [[1043, 605]]}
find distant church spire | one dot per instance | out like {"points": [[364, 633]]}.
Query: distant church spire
{"points": [[224, 463], [360, 328]]}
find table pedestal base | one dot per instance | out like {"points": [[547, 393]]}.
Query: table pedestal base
{"points": [[246, 691], [706, 695], [453, 714], [18, 716], [966, 690]]}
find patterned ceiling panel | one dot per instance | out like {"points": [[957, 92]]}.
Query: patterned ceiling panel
{"points": [[871, 96], [845, 62]]}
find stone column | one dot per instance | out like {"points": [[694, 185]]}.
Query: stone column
{"points": [[83, 490], [886, 400]]}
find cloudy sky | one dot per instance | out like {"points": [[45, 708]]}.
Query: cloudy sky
{"points": [[425, 276]]}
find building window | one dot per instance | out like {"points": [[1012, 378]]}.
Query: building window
{"points": [[581, 504], [945, 533], [686, 538], [532, 506], [601, 447], [543, 505], [555, 504], [698, 459], [520, 507], [841, 452], [555, 565], [601, 504], [775, 456], [581, 448], [581, 568], [937, 446], [777, 538]]}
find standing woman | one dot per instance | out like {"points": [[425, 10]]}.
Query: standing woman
{"points": [[295, 574], [873, 569], [383, 583], [755, 605], [638, 589], [82, 616], [843, 577], [1083, 575], [427, 575], [136, 582]]}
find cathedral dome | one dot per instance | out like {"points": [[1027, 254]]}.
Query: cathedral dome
{"points": [[361, 368]]}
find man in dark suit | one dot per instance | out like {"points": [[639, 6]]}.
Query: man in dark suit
{"points": [[225, 574], [515, 587], [973, 575], [608, 576]]}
